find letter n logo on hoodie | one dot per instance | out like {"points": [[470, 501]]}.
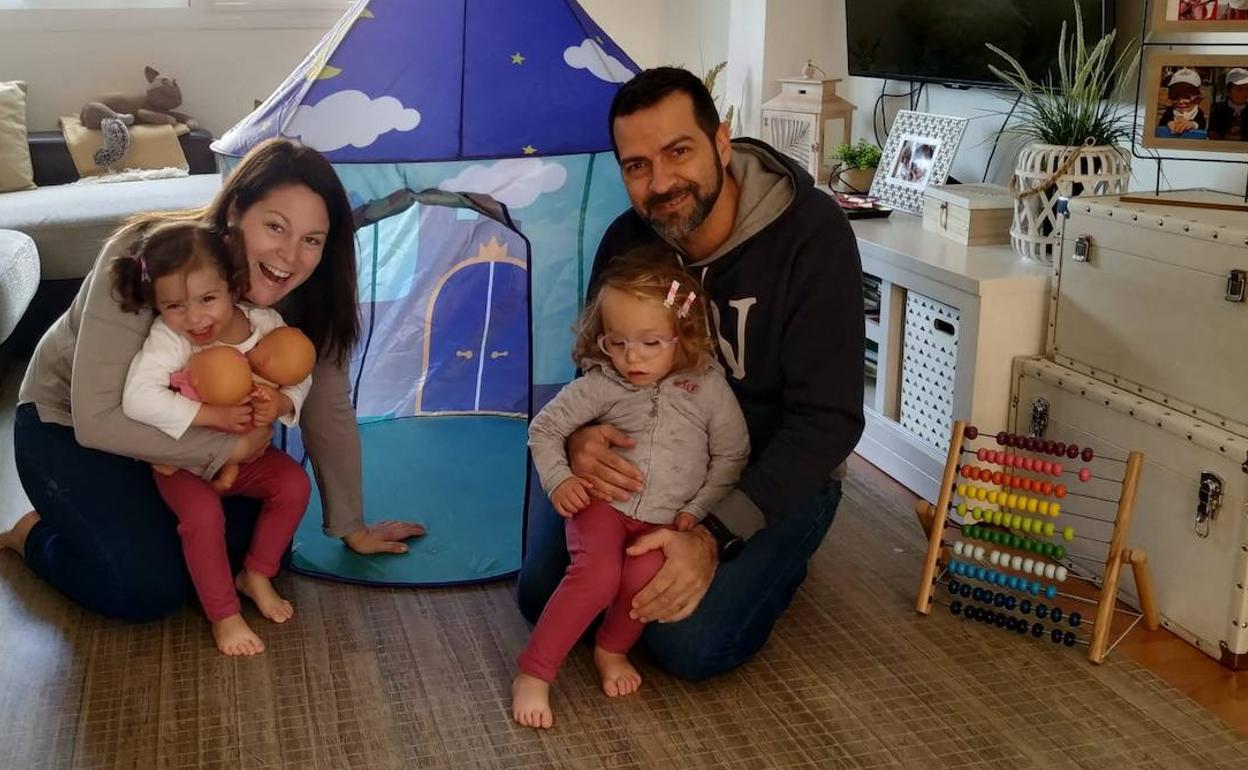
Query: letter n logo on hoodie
{"points": [[734, 358]]}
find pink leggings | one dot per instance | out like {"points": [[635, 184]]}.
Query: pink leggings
{"points": [[601, 577], [276, 480]]}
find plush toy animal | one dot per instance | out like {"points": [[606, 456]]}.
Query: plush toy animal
{"points": [[114, 112], [222, 376], [156, 106]]}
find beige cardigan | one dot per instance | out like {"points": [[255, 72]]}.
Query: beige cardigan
{"points": [[78, 372]]}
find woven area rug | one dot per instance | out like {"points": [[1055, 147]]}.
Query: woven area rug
{"points": [[392, 678]]}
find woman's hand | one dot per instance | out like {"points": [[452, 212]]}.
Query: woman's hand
{"points": [[383, 537], [590, 454], [230, 419], [250, 446]]}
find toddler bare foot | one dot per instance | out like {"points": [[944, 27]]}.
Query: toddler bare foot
{"points": [[530, 702], [15, 538], [235, 637], [618, 675], [259, 589]]}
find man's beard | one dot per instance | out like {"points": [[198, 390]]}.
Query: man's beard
{"points": [[677, 227]]}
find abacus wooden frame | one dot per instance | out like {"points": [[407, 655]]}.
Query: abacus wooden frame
{"points": [[934, 519]]}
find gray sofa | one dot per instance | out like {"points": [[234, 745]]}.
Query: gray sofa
{"points": [[70, 222]]}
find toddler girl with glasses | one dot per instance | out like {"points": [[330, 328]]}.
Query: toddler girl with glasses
{"points": [[649, 369]]}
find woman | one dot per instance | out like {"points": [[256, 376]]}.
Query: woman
{"points": [[100, 532]]}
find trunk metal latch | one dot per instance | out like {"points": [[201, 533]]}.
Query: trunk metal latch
{"points": [[1039, 418], [1210, 500]]}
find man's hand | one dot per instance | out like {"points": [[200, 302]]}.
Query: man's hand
{"points": [[571, 496], [383, 537], [684, 578], [230, 419], [611, 477]]}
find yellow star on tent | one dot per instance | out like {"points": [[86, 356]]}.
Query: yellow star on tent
{"points": [[516, 58], [529, 149]]}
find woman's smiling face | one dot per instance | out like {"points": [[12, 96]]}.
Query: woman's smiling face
{"points": [[284, 234]]}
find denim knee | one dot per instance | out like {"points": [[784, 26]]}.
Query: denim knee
{"points": [[688, 652]]}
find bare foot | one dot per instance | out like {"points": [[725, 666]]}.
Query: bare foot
{"points": [[15, 538], [618, 675], [530, 702], [259, 589], [235, 637]]}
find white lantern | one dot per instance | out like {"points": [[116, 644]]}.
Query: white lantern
{"points": [[802, 122]]}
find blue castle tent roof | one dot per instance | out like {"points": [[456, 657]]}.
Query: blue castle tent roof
{"points": [[400, 81]]}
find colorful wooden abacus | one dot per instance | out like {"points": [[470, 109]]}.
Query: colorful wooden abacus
{"points": [[1011, 537]]}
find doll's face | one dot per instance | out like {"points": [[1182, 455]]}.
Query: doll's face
{"points": [[1239, 94], [195, 303]]}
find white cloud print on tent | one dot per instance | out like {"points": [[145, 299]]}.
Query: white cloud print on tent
{"points": [[350, 118], [514, 182], [590, 56]]}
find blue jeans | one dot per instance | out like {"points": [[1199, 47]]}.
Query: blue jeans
{"points": [[735, 618], [106, 539]]}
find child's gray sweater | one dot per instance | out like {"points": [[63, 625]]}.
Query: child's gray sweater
{"points": [[692, 441]]}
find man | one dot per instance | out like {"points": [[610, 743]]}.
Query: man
{"points": [[780, 268]]}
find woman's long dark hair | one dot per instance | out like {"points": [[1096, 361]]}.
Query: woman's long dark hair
{"points": [[326, 306]]}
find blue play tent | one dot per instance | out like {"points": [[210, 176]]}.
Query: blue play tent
{"points": [[471, 137]]}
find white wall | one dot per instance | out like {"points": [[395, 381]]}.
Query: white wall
{"points": [[773, 38], [223, 71]]}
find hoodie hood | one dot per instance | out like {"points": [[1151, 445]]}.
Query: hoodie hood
{"points": [[769, 183]]}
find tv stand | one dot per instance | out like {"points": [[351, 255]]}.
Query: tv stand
{"points": [[951, 321]]}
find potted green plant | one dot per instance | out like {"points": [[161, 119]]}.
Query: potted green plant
{"points": [[855, 167], [1076, 130]]}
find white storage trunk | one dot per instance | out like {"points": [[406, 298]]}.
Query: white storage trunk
{"points": [[1200, 570], [1146, 299]]}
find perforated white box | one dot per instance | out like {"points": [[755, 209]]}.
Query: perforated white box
{"points": [[928, 365]]}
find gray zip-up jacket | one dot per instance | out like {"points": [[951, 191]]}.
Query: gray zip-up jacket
{"points": [[692, 441]]}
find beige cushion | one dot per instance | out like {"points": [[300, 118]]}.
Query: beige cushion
{"points": [[150, 146], [15, 169]]}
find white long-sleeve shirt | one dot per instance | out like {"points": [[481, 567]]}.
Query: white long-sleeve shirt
{"points": [[147, 397]]}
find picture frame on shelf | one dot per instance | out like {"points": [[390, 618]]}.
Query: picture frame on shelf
{"points": [[918, 153], [1201, 17], [1195, 102]]}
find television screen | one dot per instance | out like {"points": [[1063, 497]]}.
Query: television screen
{"points": [[943, 41]]}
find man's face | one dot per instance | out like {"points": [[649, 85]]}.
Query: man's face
{"points": [[673, 172]]}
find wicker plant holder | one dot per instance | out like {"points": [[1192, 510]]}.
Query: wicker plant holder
{"points": [[1046, 172], [856, 181]]}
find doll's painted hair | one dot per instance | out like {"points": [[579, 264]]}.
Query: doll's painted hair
{"points": [[176, 246], [652, 272]]}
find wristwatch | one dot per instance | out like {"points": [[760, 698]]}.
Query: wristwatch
{"points": [[729, 544]]}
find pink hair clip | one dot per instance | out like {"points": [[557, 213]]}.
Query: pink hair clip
{"points": [[671, 294], [684, 309], [137, 256]]}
